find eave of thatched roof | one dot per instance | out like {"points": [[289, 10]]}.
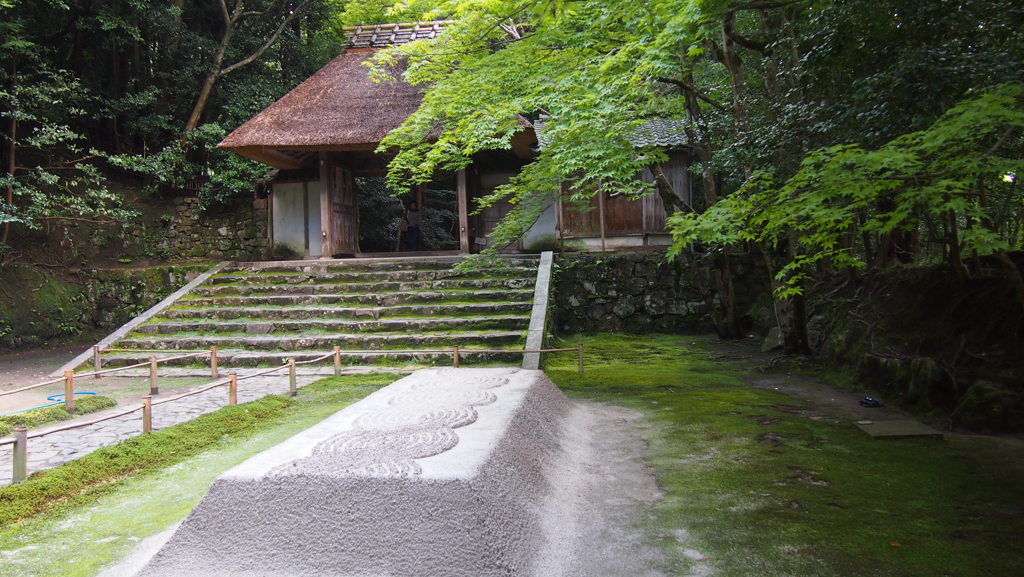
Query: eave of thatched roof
{"points": [[338, 108]]}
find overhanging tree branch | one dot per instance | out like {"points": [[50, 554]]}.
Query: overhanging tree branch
{"points": [[716, 105], [231, 19]]}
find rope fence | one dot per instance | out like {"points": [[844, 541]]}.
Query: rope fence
{"points": [[20, 435]]}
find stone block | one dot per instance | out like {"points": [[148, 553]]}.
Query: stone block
{"points": [[441, 473]]}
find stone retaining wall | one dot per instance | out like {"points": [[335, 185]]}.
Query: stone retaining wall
{"points": [[236, 234], [37, 306], [633, 292]]}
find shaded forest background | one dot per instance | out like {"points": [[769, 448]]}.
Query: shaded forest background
{"points": [[837, 145]]}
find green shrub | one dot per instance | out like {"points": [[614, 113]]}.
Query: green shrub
{"points": [[41, 417]]}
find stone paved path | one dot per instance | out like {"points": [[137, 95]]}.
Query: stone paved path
{"points": [[58, 448]]}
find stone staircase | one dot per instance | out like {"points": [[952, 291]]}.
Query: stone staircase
{"points": [[261, 314]]}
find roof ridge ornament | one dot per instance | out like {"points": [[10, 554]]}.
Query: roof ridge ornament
{"points": [[394, 33]]}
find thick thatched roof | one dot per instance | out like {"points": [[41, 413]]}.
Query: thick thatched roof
{"points": [[338, 108]]}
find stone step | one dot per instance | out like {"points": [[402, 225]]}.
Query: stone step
{"points": [[278, 327], [265, 312], [387, 299], [239, 358], [299, 277], [368, 341], [370, 265], [365, 287]]}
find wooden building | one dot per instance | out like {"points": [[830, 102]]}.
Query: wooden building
{"points": [[322, 136]]}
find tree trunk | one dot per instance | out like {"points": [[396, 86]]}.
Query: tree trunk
{"points": [[956, 261], [790, 313], [669, 196], [218, 69], [211, 78], [1012, 272], [11, 149]]}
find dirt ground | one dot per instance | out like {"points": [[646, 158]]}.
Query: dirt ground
{"points": [[28, 367], [24, 368]]}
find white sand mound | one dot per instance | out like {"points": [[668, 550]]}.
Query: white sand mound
{"points": [[448, 472]]}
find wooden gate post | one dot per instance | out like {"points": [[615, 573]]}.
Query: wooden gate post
{"points": [[455, 356], [147, 414], [97, 363], [213, 362], [337, 361], [232, 389], [69, 391], [579, 355]]}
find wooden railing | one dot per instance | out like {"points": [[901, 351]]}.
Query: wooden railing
{"points": [[21, 435]]}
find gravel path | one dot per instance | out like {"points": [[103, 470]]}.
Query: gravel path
{"points": [[58, 448]]}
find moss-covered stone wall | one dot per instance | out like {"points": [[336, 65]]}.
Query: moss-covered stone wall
{"points": [[236, 234], [38, 305], [633, 292]]}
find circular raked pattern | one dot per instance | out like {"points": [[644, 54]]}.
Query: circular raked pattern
{"points": [[416, 423]]}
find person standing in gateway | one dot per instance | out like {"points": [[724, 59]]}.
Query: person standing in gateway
{"points": [[412, 218]]}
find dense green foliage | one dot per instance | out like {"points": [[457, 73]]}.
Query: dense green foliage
{"points": [[89, 89], [759, 482], [768, 92], [49, 415], [854, 120], [956, 179]]}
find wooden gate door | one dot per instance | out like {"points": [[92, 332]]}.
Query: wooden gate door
{"points": [[344, 213]]}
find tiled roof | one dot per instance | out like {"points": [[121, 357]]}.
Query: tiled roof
{"points": [[666, 132], [381, 35]]}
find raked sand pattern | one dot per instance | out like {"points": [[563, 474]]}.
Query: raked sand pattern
{"points": [[447, 472]]}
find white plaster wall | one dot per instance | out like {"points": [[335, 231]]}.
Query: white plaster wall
{"points": [[293, 221]]}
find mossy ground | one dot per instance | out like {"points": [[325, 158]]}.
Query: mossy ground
{"points": [[760, 483], [756, 482], [47, 415], [93, 511]]}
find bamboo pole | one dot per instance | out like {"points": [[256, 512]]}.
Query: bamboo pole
{"points": [[147, 414], [154, 385], [69, 391], [20, 472], [213, 361], [292, 391], [97, 363], [232, 389], [337, 360]]}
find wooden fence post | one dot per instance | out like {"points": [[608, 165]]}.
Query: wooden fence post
{"points": [[213, 362], [579, 355], [337, 360], [455, 356], [69, 391], [97, 363], [154, 386], [147, 414], [232, 389], [20, 472], [292, 390]]}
